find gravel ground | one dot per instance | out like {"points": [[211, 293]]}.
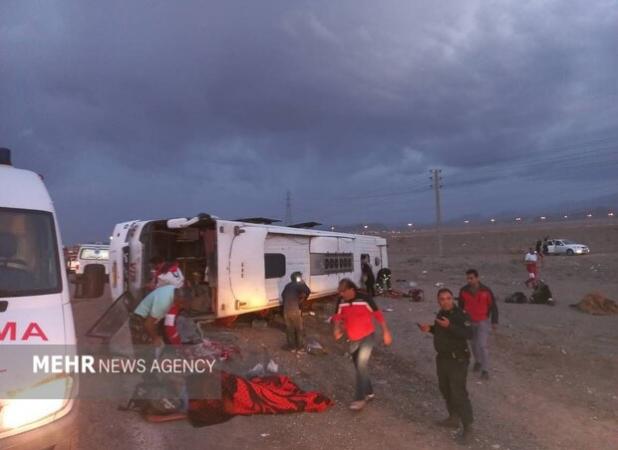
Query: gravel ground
{"points": [[554, 382]]}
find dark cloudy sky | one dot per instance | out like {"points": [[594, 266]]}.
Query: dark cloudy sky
{"points": [[149, 109]]}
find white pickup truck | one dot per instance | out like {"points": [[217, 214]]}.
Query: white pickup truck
{"points": [[91, 269]]}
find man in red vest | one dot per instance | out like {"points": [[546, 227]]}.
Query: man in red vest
{"points": [[479, 302]]}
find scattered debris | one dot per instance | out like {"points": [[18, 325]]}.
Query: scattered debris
{"points": [[416, 295], [439, 284], [257, 371], [315, 348], [388, 310], [597, 304], [516, 297], [272, 366], [265, 434], [259, 323]]}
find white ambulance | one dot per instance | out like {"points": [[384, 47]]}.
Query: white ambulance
{"points": [[35, 312], [238, 266]]}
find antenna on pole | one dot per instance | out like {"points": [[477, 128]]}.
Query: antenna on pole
{"points": [[288, 208], [436, 177]]}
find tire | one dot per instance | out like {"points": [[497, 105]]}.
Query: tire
{"points": [[570, 252], [94, 281]]}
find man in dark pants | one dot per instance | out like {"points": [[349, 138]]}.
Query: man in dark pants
{"points": [[478, 301], [294, 293], [355, 315], [451, 331], [369, 279]]}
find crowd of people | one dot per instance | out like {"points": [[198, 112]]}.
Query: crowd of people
{"points": [[460, 330], [461, 323]]}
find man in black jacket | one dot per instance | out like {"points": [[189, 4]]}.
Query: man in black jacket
{"points": [[451, 331], [368, 278], [293, 295]]}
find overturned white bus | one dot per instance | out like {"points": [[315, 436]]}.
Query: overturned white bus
{"points": [[238, 266]]}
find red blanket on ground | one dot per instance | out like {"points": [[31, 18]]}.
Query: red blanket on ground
{"points": [[268, 395]]}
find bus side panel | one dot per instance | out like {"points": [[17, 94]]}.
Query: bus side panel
{"points": [[369, 246], [296, 251], [117, 270], [241, 286]]}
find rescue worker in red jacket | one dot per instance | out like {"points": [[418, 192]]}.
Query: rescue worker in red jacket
{"points": [[479, 302]]}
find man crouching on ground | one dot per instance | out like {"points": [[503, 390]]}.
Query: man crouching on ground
{"points": [[451, 331], [354, 314]]}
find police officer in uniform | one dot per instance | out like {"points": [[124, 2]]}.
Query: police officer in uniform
{"points": [[451, 331]]}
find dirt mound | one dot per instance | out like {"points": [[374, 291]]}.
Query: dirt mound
{"points": [[596, 303]]}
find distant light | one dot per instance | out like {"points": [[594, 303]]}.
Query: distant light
{"points": [[543, 218], [566, 217], [589, 215], [365, 226], [492, 220], [111, 238], [410, 224], [466, 221], [332, 228], [610, 214], [517, 219]]}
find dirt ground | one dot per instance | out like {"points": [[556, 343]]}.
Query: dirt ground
{"points": [[554, 375]]}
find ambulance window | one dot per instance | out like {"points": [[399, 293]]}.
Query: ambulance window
{"points": [[29, 260], [274, 264]]}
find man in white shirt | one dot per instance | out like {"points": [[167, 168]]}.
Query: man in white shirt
{"points": [[531, 260], [145, 318]]}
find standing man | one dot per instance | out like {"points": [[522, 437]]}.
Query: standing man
{"points": [[293, 295], [479, 302], [369, 279], [451, 331], [355, 314], [546, 245], [531, 260]]}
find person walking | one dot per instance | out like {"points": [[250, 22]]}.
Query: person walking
{"points": [[451, 330], [478, 301], [293, 295], [355, 314]]}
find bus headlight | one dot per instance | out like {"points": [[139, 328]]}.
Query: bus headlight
{"points": [[36, 403]]}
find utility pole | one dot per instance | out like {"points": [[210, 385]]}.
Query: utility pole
{"points": [[436, 177], [288, 208]]}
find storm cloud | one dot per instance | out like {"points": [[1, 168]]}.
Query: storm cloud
{"points": [[150, 109]]}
